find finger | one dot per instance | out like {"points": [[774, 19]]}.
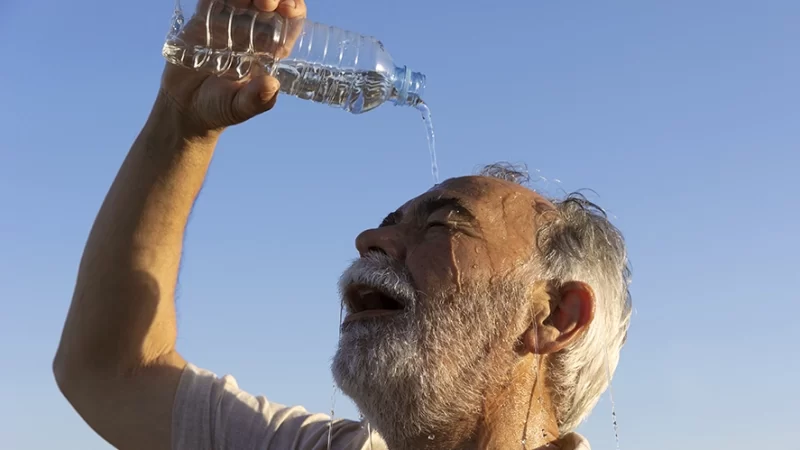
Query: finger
{"points": [[257, 96], [292, 8], [295, 12], [266, 5]]}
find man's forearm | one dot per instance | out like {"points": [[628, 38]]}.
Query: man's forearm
{"points": [[122, 315]]}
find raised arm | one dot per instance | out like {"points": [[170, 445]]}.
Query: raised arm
{"points": [[117, 363]]}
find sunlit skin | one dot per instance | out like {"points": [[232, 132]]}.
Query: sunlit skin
{"points": [[477, 229]]}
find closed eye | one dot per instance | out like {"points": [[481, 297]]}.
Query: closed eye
{"points": [[435, 224]]}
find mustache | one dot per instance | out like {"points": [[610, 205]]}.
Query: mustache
{"points": [[382, 273]]}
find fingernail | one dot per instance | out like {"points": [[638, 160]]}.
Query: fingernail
{"points": [[289, 3]]}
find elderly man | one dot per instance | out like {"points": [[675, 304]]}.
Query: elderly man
{"points": [[480, 315]]}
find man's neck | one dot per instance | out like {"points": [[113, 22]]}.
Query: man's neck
{"points": [[520, 410]]}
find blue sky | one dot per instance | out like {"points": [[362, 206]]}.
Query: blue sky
{"points": [[683, 116]]}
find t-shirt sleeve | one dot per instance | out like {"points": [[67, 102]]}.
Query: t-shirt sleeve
{"points": [[212, 413]]}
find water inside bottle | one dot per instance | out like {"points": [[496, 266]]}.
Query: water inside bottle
{"points": [[354, 91]]}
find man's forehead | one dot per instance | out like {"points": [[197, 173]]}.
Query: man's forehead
{"points": [[482, 192], [506, 214]]}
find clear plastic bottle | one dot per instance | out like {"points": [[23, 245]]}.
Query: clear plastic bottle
{"points": [[312, 61]]}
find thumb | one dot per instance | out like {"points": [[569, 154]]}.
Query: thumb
{"points": [[257, 96]]}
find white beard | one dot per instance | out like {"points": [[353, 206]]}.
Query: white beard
{"points": [[428, 366]]}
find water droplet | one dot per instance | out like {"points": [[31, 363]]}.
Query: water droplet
{"points": [[330, 433], [431, 437], [613, 404], [177, 23]]}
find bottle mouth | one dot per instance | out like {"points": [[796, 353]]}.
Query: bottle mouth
{"points": [[409, 87]]}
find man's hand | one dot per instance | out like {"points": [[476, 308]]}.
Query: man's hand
{"points": [[116, 362], [211, 103]]}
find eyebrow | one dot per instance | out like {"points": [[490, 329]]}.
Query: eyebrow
{"points": [[430, 206], [391, 219]]}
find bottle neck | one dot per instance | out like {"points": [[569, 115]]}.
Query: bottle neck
{"points": [[408, 87]]}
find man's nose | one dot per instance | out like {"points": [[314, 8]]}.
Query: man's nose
{"points": [[387, 240]]}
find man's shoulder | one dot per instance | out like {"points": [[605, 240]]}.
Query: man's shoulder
{"points": [[574, 441], [213, 413]]}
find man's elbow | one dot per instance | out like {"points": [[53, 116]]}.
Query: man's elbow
{"points": [[85, 388], [78, 375], [66, 374], [76, 362], [73, 375]]}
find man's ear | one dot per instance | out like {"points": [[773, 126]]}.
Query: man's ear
{"points": [[563, 314]]}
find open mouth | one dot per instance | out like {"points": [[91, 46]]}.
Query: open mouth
{"points": [[365, 301]]}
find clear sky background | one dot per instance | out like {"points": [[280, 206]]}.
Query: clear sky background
{"points": [[683, 116]]}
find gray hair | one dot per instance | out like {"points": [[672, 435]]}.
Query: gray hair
{"points": [[578, 243]]}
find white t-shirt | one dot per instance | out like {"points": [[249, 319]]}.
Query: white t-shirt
{"points": [[212, 413]]}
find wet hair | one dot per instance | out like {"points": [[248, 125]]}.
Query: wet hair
{"points": [[578, 243]]}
